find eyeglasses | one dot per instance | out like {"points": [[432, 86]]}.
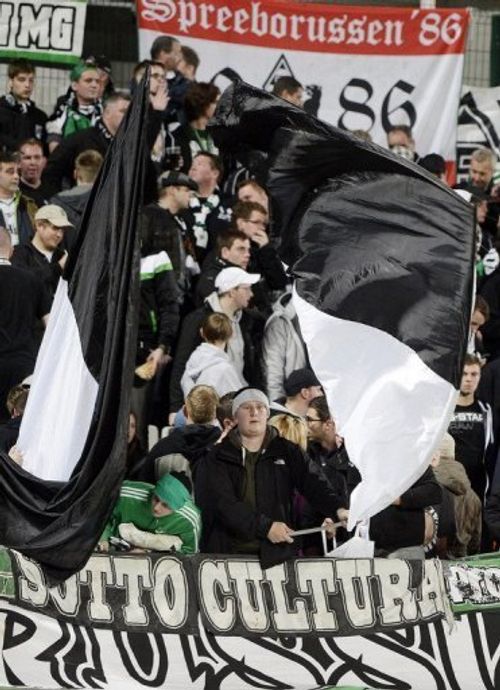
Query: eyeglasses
{"points": [[312, 419]]}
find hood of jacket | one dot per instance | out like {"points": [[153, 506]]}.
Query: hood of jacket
{"points": [[284, 307], [204, 357], [75, 198], [452, 475], [193, 440], [213, 301]]}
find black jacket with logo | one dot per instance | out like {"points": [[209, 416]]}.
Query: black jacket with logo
{"points": [[281, 468]]}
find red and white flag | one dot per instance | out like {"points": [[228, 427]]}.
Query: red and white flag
{"points": [[363, 67]]}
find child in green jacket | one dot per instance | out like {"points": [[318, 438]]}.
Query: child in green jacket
{"points": [[145, 510]]}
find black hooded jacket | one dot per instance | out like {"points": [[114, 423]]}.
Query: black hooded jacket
{"points": [[401, 526], [192, 442], [281, 468]]}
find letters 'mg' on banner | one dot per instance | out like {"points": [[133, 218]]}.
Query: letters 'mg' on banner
{"points": [[42, 30], [363, 68]]}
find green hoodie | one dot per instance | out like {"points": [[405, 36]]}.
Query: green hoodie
{"points": [[134, 505]]}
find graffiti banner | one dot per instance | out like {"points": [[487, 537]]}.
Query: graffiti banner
{"points": [[42, 30], [474, 584], [366, 68], [43, 652], [152, 621], [232, 596]]}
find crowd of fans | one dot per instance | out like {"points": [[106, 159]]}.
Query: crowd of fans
{"points": [[250, 451]]}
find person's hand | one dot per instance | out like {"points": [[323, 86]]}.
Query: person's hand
{"points": [[330, 528], [343, 515], [16, 455], [103, 547], [158, 358], [62, 260], [229, 426], [428, 529], [279, 533], [260, 237], [495, 191], [160, 99]]}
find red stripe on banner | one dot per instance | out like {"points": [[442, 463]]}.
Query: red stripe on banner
{"points": [[312, 27]]}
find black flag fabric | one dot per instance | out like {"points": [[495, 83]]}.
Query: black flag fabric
{"points": [[74, 432], [382, 256]]}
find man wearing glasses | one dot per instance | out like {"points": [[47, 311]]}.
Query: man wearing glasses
{"points": [[252, 219], [246, 485]]}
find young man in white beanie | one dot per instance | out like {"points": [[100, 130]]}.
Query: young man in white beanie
{"points": [[246, 486]]}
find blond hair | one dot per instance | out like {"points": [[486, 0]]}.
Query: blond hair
{"points": [[484, 156], [87, 165], [294, 429], [201, 404]]}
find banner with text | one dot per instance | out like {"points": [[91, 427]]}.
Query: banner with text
{"points": [[474, 584], [362, 68], [42, 30], [38, 651], [234, 596]]}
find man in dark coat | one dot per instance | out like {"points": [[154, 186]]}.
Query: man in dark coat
{"points": [[61, 163], [23, 302], [16, 210], [43, 255], [245, 487], [20, 119], [182, 451]]}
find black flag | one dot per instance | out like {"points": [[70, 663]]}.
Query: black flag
{"points": [[382, 255], [74, 431]]}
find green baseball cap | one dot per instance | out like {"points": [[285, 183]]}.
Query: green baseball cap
{"points": [[80, 68]]}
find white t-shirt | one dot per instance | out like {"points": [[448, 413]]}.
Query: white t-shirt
{"points": [[8, 209]]}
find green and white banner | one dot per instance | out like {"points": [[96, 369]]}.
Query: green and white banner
{"points": [[42, 30], [474, 584]]}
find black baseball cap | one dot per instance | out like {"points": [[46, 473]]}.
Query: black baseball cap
{"points": [[299, 379], [174, 178]]}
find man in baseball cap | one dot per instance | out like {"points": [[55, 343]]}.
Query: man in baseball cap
{"points": [[301, 386], [174, 178], [43, 255], [54, 215], [235, 278]]}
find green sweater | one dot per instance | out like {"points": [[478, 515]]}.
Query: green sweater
{"points": [[134, 505]]}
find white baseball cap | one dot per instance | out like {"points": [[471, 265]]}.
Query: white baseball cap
{"points": [[232, 277]]}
